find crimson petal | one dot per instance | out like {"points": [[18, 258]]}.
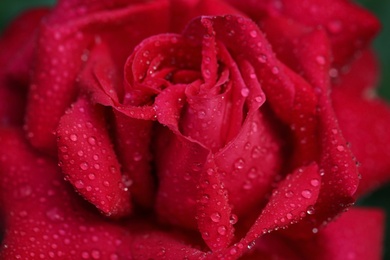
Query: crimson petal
{"points": [[18, 40], [57, 224], [88, 159], [349, 27]]}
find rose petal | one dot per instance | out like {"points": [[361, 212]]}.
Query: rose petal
{"points": [[155, 244], [57, 224], [88, 159], [18, 39], [291, 201], [178, 178], [213, 209], [347, 237], [132, 142], [349, 27], [370, 144]]}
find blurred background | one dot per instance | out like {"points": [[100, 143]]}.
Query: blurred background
{"points": [[380, 198]]}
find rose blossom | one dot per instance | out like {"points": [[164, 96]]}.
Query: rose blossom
{"points": [[191, 130]]}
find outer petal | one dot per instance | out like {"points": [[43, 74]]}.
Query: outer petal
{"points": [[348, 238], [88, 159], [16, 46], [349, 27], [42, 216], [371, 117], [308, 53]]}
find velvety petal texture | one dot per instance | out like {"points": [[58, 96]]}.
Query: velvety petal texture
{"points": [[18, 41], [191, 129]]}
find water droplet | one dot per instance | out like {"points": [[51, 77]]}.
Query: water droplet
{"points": [[314, 230], [258, 99], [210, 171], [215, 217], [85, 255], [205, 199], [114, 257], [245, 92], [23, 213], [252, 174], [201, 114], [306, 194], [91, 176], [315, 182], [79, 184], [84, 166], [275, 70], [92, 140], [95, 254], [233, 251], [253, 34], [322, 172], [289, 194], [233, 219], [207, 73], [310, 210], [262, 58], [256, 152], [289, 216], [137, 157], [222, 230], [187, 176], [54, 214], [340, 148], [320, 60], [239, 164], [73, 137], [247, 185]]}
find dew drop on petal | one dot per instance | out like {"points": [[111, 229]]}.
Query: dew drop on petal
{"points": [[233, 219], [79, 184], [320, 60], [315, 182], [239, 164], [245, 92], [253, 34], [233, 251], [222, 230], [84, 166], [92, 140], [259, 99], [340, 148], [310, 210], [275, 70], [289, 194], [306, 194], [215, 217]]}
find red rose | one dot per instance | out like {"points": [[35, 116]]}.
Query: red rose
{"points": [[185, 136]]}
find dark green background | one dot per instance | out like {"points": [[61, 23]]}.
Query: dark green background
{"points": [[381, 198]]}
